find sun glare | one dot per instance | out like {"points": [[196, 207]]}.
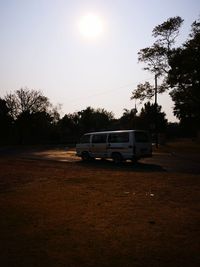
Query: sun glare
{"points": [[90, 26]]}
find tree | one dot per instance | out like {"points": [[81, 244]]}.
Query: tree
{"points": [[34, 117], [167, 33], [184, 78], [26, 100], [72, 126], [69, 128], [147, 118], [146, 91], [94, 119], [129, 119], [5, 123], [156, 57]]}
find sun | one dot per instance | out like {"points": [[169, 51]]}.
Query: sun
{"points": [[90, 26]]}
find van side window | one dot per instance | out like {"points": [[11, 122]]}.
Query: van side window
{"points": [[85, 139], [142, 137], [99, 138], [118, 138]]}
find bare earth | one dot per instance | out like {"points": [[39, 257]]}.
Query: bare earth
{"points": [[57, 211]]}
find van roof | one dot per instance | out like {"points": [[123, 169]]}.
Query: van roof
{"points": [[117, 131]]}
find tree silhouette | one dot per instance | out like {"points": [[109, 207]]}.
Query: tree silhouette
{"points": [[34, 117], [147, 118], [26, 100], [6, 123], [129, 119], [156, 57], [94, 120], [72, 126], [184, 77]]}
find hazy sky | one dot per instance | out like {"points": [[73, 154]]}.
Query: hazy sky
{"points": [[42, 48]]}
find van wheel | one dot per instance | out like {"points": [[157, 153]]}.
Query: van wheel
{"points": [[117, 158], [85, 156]]}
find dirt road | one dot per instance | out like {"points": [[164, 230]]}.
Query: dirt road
{"points": [[166, 161], [57, 211]]}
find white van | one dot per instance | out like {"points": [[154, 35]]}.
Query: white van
{"points": [[117, 145]]}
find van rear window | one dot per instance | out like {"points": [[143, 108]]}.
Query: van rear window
{"points": [[118, 138]]}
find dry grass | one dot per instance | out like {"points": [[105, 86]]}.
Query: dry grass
{"points": [[75, 214]]}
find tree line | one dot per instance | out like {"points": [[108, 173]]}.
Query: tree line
{"points": [[28, 117]]}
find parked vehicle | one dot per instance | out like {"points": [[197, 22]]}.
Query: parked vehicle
{"points": [[117, 145]]}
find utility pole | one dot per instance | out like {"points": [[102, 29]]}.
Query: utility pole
{"points": [[156, 110]]}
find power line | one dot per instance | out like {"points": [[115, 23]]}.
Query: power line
{"points": [[108, 91]]}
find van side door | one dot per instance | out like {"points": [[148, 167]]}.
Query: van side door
{"points": [[98, 145], [84, 145], [120, 143]]}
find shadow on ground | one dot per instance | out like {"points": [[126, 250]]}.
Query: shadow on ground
{"points": [[108, 164]]}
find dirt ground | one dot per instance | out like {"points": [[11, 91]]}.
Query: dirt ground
{"points": [[57, 211]]}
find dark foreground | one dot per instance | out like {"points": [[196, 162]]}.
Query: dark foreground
{"points": [[73, 214]]}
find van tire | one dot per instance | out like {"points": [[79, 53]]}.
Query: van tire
{"points": [[85, 156], [117, 158]]}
